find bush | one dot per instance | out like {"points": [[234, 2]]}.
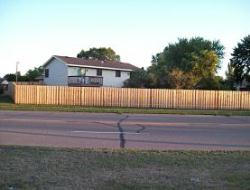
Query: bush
{"points": [[138, 79], [1, 89]]}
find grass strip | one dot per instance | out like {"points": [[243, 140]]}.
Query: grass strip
{"points": [[64, 168]]}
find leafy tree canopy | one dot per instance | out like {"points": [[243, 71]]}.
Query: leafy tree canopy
{"points": [[230, 77], [185, 63], [29, 76], [138, 79], [212, 82], [10, 77], [32, 74], [240, 61], [104, 54]]}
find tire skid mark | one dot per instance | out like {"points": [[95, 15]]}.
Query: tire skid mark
{"points": [[142, 128], [121, 135]]}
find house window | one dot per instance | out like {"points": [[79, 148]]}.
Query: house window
{"points": [[99, 72], [46, 73], [117, 73]]}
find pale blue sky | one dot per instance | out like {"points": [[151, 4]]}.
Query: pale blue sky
{"points": [[33, 30]]}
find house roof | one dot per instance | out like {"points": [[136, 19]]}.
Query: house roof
{"points": [[96, 63]]}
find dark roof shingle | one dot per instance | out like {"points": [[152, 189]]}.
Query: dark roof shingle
{"points": [[96, 63]]}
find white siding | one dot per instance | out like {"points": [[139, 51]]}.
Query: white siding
{"points": [[57, 73], [109, 78]]}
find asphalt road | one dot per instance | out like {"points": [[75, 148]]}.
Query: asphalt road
{"points": [[102, 130]]}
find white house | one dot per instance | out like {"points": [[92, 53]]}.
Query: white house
{"points": [[71, 71]]}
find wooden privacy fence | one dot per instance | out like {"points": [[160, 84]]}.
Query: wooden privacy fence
{"points": [[129, 97]]}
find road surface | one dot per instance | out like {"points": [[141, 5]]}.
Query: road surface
{"points": [[139, 131]]}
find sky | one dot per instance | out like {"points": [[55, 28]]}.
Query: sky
{"points": [[34, 30]]}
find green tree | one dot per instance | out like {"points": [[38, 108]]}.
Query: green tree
{"points": [[104, 54], [212, 82], [29, 76], [186, 62], [32, 74], [240, 61], [10, 77], [157, 74], [230, 78], [138, 79]]}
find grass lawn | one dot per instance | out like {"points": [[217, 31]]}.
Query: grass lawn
{"points": [[57, 168], [7, 104]]}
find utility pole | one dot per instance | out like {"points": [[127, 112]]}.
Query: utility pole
{"points": [[17, 63]]}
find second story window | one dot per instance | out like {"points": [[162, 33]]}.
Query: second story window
{"points": [[99, 72], [46, 73], [117, 73]]}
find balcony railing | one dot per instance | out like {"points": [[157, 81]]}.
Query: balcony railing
{"points": [[85, 80]]}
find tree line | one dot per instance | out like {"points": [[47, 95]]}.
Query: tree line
{"points": [[193, 64], [187, 64], [30, 75]]}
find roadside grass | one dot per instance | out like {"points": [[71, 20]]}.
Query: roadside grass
{"points": [[7, 104], [64, 168]]}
